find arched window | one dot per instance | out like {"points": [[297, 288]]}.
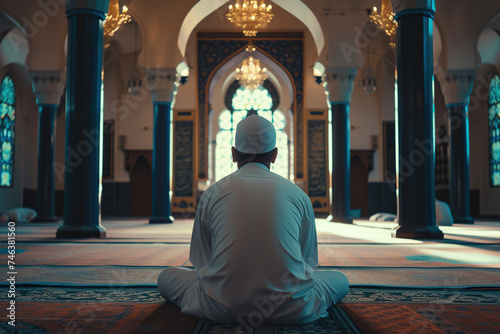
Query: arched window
{"points": [[245, 103], [494, 138], [7, 122]]}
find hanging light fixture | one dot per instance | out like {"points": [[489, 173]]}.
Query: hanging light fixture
{"points": [[114, 20], [369, 83], [134, 84], [251, 75], [385, 20], [250, 15]]}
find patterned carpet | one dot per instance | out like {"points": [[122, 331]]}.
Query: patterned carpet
{"points": [[142, 310]]}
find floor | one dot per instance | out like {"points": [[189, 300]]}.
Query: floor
{"points": [[135, 251]]}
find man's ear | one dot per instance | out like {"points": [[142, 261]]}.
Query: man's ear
{"points": [[275, 154], [233, 152]]}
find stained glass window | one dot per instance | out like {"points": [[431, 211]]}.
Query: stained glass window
{"points": [[494, 121], [246, 102], [7, 121]]}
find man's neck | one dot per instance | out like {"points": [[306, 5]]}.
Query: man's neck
{"points": [[268, 165]]}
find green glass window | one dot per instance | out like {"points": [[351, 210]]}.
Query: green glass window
{"points": [[7, 136], [494, 134]]}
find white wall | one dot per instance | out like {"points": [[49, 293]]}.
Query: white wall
{"points": [[133, 114]]}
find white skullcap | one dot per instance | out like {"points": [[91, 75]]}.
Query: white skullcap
{"points": [[255, 135]]}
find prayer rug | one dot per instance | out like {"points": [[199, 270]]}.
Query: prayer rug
{"points": [[142, 310]]}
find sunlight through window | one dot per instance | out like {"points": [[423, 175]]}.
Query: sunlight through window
{"points": [[246, 102]]}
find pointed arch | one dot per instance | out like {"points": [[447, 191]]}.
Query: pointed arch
{"points": [[204, 8]]}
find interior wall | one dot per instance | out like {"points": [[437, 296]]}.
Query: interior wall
{"points": [[132, 114], [384, 101], [461, 25]]}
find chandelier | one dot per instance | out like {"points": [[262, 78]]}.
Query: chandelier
{"points": [[385, 20], [114, 20], [250, 15], [251, 75]]}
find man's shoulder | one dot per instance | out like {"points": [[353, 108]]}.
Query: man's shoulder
{"points": [[287, 183], [219, 186], [291, 188]]}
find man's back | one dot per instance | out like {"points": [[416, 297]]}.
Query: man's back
{"points": [[254, 242], [254, 245]]}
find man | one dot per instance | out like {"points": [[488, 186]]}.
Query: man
{"points": [[254, 245]]}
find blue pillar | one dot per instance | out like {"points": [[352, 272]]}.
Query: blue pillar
{"points": [[456, 86], [45, 191], [82, 217], [415, 126], [341, 163], [161, 212], [340, 83], [459, 163], [48, 87], [162, 85]]}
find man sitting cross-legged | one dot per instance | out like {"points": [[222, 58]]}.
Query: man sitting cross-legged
{"points": [[254, 245]]}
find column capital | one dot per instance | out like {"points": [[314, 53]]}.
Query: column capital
{"points": [[456, 85], [339, 83], [162, 83], [402, 7], [97, 5], [48, 86]]}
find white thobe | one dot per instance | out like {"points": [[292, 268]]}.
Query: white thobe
{"points": [[254, 247]]}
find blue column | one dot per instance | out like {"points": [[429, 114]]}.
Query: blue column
{"points": [[340, 82], [162, 85], [341, 163], [82, 217], [415, 127], [48, 87], [161, 212], [459, 163], [45, 192]]}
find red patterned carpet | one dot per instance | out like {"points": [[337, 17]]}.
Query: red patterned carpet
{"points": [[424, 318], [101, 318]]}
